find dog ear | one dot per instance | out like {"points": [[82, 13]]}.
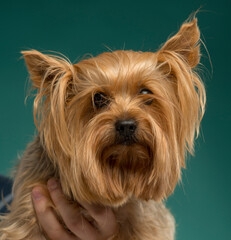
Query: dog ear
{"points": [[44, 69], [185, 43], [55, 79], [176, 60]]}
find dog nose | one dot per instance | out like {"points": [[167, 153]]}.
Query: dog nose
{"points": [[126, 128]]}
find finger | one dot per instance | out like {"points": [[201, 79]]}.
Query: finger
{"points": [[47, 217], [105, 218], [71, 215]]}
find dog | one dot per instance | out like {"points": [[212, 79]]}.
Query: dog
{"points": [[115, 130]]}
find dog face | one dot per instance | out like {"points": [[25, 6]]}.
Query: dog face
{"points": [[119, 125]]}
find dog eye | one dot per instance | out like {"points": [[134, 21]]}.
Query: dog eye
{"points": [[145, 91], [100, 100]]}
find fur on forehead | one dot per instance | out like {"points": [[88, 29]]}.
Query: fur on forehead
{"points": [[118, 70]]}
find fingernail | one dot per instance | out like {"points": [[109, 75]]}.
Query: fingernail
{"points": [[52, 184], [36, 194]]}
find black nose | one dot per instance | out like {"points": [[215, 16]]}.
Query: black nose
{"points": [[126, 130]]}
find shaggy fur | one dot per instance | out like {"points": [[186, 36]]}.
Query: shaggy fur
{"points": [[77, 142]]}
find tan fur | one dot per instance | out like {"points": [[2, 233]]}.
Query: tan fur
{"points": [[76, 141]]}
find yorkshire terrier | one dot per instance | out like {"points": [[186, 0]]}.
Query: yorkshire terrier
{"points": [[115, 130]]}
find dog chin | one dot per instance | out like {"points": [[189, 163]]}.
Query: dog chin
{"points": [[127, 168], [127, 156]]}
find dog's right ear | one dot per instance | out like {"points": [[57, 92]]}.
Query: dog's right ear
{"points": [[45, 69], [55, 79]]}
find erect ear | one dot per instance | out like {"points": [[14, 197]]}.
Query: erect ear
{"points": [[44, 69], [185, 43]]}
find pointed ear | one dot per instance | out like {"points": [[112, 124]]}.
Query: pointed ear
{"points": [[185, 43], [44, 68]]}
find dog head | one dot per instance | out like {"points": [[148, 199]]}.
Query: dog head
{"points": [[119, 125]]}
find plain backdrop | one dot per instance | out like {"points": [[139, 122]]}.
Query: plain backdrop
{"points": [[201, 204]]}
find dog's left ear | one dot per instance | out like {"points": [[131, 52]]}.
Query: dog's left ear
{"points": [[176, 60], [185, 43]]}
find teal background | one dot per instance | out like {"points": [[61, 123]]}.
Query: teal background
{"points": [[201, 204]]}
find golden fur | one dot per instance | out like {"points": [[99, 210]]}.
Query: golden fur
{"points": [[76, 141]]}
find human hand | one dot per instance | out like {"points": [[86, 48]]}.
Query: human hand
{"points": [[80, 228]]}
